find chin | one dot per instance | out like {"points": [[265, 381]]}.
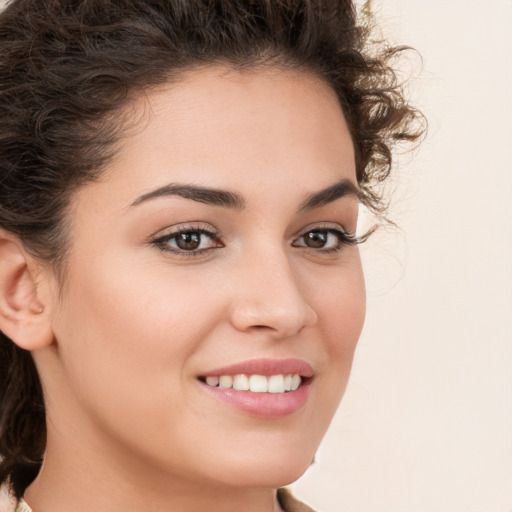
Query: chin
{"points": [[268, 470], [281, 477]]}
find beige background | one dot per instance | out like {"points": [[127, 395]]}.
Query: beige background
{"points": [[426, 424]]}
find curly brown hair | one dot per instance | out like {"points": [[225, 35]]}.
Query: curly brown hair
{"points": [[69, 67]]}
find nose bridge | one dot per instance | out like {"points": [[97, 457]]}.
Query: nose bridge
{"points": [[268, 294]]}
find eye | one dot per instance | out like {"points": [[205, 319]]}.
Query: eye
{"points": [[188, 241], [325, 239]]}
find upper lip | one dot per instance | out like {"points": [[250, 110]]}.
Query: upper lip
{"points": [[265, 367]]}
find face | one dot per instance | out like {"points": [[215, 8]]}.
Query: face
{"points": [[218, 243]]}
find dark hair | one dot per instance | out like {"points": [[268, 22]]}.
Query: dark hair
{"points": [[67, 69]]}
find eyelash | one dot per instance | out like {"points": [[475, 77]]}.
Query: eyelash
{"points": [[344, 239], [163, 241]]}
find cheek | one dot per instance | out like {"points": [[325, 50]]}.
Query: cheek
{"points": [[139, 327], [343, 318], [341, 309]]}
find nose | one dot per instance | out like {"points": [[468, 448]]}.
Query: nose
{"points": [[268, 296]]}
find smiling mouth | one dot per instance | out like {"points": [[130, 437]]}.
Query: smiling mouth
{"points": [[263, 388], [279, 383]]}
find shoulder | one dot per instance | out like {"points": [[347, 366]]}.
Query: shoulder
{"points": [[16, 506], [8, 502], [289, 503]]}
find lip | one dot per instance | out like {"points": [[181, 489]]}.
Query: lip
{"points": [[265, 367], [263, 405]]}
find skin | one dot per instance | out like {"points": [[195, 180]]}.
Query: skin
{"points": [[129, 425]]}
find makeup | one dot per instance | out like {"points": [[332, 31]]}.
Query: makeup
{"points": [[266, 388]]}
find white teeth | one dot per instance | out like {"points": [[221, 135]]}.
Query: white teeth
{"points": [[256, 383], [241, 382], [276, 384], [225, 381], [295, 382], [212, 381]]}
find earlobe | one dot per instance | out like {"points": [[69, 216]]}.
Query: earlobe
{"points": [[24, 317]]}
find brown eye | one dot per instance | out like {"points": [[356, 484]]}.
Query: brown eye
{"points": [[325, 239], [316, 239], [188, 241]]}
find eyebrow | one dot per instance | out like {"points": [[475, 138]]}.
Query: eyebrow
{"points": [[341, 189], [232, 200], [205, 195]]}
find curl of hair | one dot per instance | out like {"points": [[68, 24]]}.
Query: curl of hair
{"points": [[68, 68]]}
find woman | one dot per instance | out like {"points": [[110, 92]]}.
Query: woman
{"points": [[180, 285]]}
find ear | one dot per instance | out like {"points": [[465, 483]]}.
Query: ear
{"points": [[24, 315]]}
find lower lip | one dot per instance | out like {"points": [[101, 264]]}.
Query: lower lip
{"points": [[264, 405]]}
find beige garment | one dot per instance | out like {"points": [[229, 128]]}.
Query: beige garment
{"points": [[286, 500], [22, 507]]}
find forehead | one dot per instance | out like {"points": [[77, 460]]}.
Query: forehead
{"points": [[217, 126]]}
